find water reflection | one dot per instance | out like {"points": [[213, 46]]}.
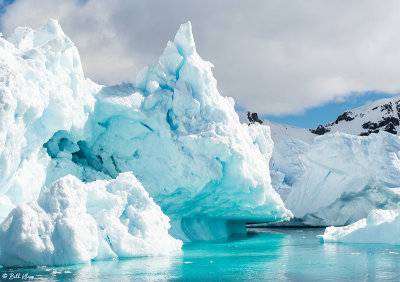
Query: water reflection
{"points": [[147, 268], [252, 256], [364, 261], [269, 254]]}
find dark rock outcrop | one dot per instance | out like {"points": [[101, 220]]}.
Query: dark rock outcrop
{"points": [[320, 130], [253, 118], [388, 120]]}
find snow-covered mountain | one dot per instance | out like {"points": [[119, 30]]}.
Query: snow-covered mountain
{"points": [[279, 131], [381, 115]]}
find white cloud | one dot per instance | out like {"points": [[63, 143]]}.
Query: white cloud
{"points": [[274, 57]]}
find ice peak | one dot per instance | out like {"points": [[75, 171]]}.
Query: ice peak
{"points": [[52, 27], [48, 32], [27, 38], [184, 40], [171, 61]]}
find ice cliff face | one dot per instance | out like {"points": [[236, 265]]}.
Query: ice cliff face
{"points": [[347, 176], [171, 128]]}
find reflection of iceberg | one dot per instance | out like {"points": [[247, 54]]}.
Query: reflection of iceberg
{"points": [[171, 128]]}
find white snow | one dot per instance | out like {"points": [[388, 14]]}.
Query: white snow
{"points": [[281, 132], [375, 112], [73, 222], [381, 226], [353, 206]]}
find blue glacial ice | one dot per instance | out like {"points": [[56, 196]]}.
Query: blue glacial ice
{"points": [[61, 135], [183, 141]]}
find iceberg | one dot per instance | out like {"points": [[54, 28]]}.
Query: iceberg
{"points": [[381, 226], [73, 222], [183, 141], [74, 152]]}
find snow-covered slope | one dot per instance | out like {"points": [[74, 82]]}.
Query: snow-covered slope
{"points": [[381, 115], [279, 131]]}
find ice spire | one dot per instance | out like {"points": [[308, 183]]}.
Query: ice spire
{"points": [[184, 40]]}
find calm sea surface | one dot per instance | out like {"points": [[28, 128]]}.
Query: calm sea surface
{"points": [[264, 254]]}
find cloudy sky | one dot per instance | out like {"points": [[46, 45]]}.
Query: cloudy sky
{"points": [[274, 57]]}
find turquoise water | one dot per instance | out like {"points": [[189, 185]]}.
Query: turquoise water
{"points": [[267, 254]]}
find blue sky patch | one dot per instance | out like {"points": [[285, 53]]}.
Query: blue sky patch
{"points": [[329, 111]]}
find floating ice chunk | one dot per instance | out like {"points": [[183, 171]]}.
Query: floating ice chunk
{"points": [[381, 226], [73, 222]]}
